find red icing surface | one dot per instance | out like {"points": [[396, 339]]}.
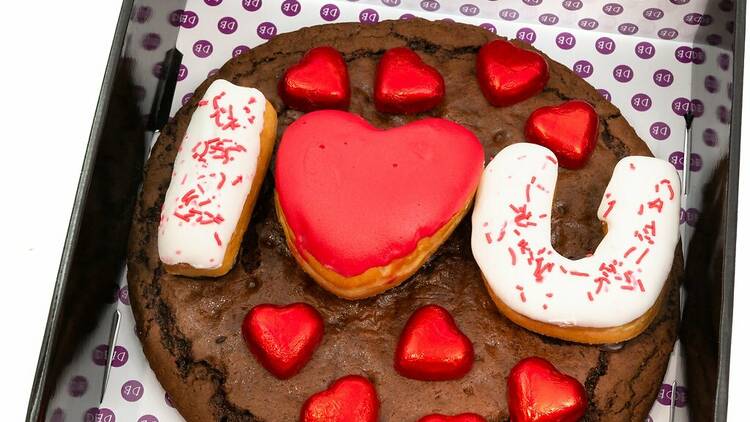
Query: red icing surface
{"points": [[538, 392], [508, 74], [357, 197], [432, 347], [406, 84], [569, 130], [319, 81], [463, 417], [283, 338], [350, 399]]}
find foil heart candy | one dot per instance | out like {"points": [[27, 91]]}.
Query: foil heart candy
{"points": [[319, 81], [406, 84]]}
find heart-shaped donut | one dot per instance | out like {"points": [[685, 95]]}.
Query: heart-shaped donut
{"points": [[361, 207], [569, 130], [319, 81], [508, 74], [349, 399], [406, 84], [283, 338], [432, 347], [538, 392]]}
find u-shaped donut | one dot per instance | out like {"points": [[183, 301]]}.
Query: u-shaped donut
{"points": [[598, 299]]}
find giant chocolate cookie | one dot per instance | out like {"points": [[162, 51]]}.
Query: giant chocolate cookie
{"points": [[190, 328]]}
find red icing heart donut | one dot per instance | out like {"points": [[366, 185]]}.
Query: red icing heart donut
{"points": [[508, 75], [569, 130], [538, 392], [319, 81], [463, 417], [357, 197], [349, 399], [283, 338], [432, 348], [406, 84]]}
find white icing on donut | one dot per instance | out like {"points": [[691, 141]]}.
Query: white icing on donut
{"points": [[622, 279], [212, 176]]}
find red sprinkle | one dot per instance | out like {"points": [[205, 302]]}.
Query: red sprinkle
{"points": [[523, 297], [640, 258], [512, 256], [201, 103], [591, 297], [669, 186], [488, 236], [216, 236], [519, 287], [223, 179], [629, 251], [551, 158], [579, 274], [632, 166], [564, 271], [238, 179], [611, 204], [544, 306], [656, 203], [548, 294]]}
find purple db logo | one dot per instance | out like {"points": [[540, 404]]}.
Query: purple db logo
{"points": [[645, 50], [681, 106], [391, 3], [151, 41], [99, 355], [641, 102], [583, 68], [188, 19], [508, 14], [622, 73], [710, 137], [148, 418], [698, 19], [668, 33], [663, 78], [240, 49], [653, 14], [407, 16], [369, 16], [174, 17], [697, 107], [330, 12], [469, 10], [227, 25], [290, 8], [527, 35], [612, 9], [132, 391], [605, 45], [143, 14], [78, 386], [430, 5], [57, 416], [588, 24], [684, 54], [726, 5], [99, 415], [182, 73], [699, 56], [572, 4], [723, 113], [266, 30], [203, 48], [665, 391], [679, 2], [212, 2], [186, 98], [729, 26], [168, 400], [548, 19], [677, 159], [489, 27], [565, 40], [157, 70], [604, 93], [713, 39], [711, 84], [447, 20], [252, 5], [628, 28], [532, 2], [120, 357], [660, 131], [123, 295]]}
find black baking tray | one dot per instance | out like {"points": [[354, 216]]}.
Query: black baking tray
{"points": [[94, 249]]}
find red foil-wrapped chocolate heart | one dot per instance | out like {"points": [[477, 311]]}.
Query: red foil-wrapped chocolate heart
{"points": [[349, 399], [538, 392], [463, 417], [432, 348], [508, 75], [406, 84], [319, 81], [569, 130], [283, 338]]}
